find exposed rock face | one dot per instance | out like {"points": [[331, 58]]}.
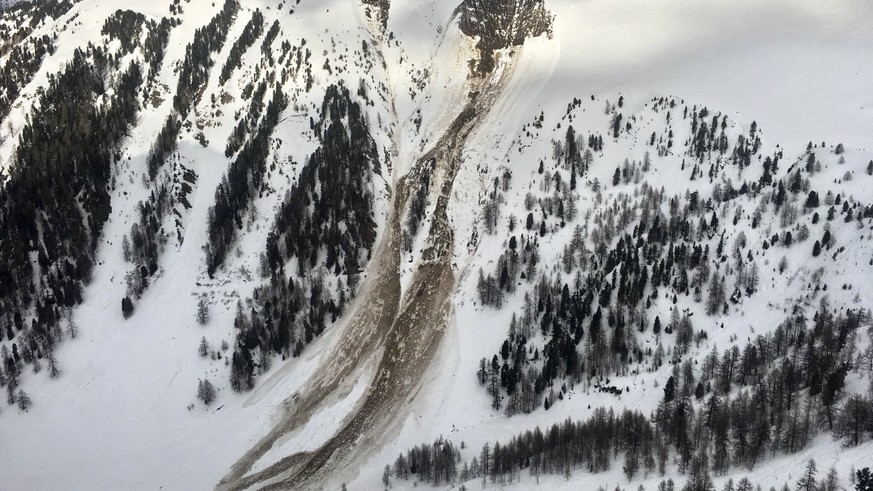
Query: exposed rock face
{"points": [[378, 10], [501, 24]]}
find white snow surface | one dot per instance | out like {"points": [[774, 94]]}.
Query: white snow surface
{"points": [[118, 417]]}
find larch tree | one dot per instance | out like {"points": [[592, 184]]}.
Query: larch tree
{"points": [[202, 311], [807, 481]]}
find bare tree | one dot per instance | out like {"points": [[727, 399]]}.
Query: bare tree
{"points": [[52, 365], [72, 328]]}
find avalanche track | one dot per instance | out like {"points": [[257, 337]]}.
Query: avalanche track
{"points": [[402, 329]]}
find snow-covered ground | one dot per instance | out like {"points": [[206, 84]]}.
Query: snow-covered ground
{"points": [[799, 69], [118, 417]]}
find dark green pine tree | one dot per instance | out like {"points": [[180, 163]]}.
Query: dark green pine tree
{"points": [[126, 307], [670, 389], [864, 480]]}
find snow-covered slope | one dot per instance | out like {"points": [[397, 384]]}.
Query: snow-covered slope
{"points": [[361, 334]]}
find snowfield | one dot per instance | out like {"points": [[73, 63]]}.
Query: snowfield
{"points": [[124, 415]]}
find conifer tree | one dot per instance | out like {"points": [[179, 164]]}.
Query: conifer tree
{"points": [[831, 482], [72, 328], [807, 481], [24, 401], [126, 307], [863, 480], [202, 311], [52, 363], [205, 391], [203, 349]]}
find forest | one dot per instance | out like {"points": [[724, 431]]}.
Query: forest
{"points": [[589, 445], [252, 31], [54, 205], [587, 311], [581, 317], [240, 185], [322, 238]]}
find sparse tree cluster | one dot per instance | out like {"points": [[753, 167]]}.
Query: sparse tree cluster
{"points": [[251, 32], [125, 26], [241, 183], [24, 53], [635, 249], [194, 72], [19, 67], [148, 235]]}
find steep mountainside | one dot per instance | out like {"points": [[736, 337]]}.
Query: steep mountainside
{"points": [[514, 243]]}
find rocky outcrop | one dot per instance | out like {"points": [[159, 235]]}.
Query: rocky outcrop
{"points": [[500, 24], [377, 10]]}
